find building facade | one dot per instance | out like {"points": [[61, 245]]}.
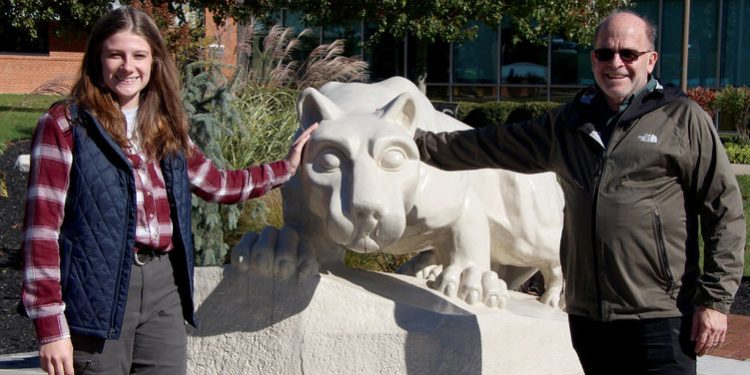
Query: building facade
{"points": [[489, 68], [53, 60], [28, 65], [492, 67]]}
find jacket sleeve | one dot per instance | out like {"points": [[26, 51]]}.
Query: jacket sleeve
{"points": [[49, 176], [721, 214], [232, 186], [525, 147]]}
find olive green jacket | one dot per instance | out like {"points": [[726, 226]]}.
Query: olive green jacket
{"points": [[633, 209]]}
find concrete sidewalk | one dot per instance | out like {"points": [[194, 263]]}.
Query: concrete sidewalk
{"points": [[741, 168], [28, 363]]}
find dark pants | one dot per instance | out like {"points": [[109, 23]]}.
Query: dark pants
{"points": [[153, 338], [648, 346]]}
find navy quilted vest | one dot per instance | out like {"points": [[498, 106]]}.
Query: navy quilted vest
{"points": [[98, 233]]}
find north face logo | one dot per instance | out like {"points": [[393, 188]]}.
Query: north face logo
{"points": [[648, 138]]}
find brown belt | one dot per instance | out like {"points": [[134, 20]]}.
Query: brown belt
{"points": [[145, 254]]}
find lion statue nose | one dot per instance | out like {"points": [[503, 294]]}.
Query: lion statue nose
{"points": [[367, 221]]}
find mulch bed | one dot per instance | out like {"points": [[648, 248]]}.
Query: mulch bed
{"points": [[17, 331]]}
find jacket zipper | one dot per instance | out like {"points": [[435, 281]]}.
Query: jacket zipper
{"points": [[661, 248], [125, 252], [598, 173]]}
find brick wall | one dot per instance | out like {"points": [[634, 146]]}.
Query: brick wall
{"points": [[224, 37], [22, 73]]}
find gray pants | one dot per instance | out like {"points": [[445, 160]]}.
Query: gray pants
{"points": [[153, 339]]}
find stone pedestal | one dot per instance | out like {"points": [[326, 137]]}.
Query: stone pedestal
{"points": [[357, 322]]}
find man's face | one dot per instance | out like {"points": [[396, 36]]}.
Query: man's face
{"points": [[617, 78]]}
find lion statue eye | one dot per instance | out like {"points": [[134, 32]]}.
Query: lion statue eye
{"points": [[328, 161], [392, 159]]}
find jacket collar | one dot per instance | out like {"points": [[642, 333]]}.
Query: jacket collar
{"points": [[581, 109], [82, 117]]}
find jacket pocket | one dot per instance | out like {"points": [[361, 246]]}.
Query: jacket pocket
{"points": [[661, 250]]}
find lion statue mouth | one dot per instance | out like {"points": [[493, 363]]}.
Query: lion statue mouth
{"points": [[367, 235], [364, 244]]}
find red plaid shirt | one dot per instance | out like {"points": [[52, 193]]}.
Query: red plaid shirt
{"points": [[51, 159]]}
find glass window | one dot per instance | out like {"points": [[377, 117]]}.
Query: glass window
{"points": [[475, 93], [438, 62], [475, 61], [350, 32], [735, 55], [523, 63], [294, 20], [386, 57], [571, 63], [15, 41], [703, 43], [650, 10], [435, 57], [437, 92], [671, 43]]}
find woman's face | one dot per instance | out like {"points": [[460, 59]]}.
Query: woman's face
{"points": [[126, 66]]}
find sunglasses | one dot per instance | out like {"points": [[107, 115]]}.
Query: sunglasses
{"points": [[626, 55]]}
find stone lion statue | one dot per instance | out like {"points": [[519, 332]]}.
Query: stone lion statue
{"points": [[362, 187]]}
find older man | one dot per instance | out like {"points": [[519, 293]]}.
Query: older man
{"points": [[643, 170]]}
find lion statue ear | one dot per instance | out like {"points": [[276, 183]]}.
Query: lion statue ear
{"points": [[402, 110], [312, 107]]}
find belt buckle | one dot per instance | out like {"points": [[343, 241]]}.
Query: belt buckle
{"points": [[136, 260], [141, 258]]}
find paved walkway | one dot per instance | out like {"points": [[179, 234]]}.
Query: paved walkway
{"points": [[732, 358], [737, 344], [741, 168], [28, 364]]}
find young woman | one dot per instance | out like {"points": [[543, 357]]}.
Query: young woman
{"points": [[107, 239]]}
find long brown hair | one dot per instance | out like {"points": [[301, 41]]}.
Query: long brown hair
{"points": [[162, 122]]}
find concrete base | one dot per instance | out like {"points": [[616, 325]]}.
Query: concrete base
{"points": [[357, 322]]}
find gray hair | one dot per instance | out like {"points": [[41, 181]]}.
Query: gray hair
{"points": [[650, 27]]}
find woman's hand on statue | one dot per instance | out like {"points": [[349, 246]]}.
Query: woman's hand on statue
{"points": [[295, 152]]}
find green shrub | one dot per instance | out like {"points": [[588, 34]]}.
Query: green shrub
{"points": [[734, 107], [273, 63], [738, 153], [705, 97], [376, 261], [264, 132], [207, 100], [494, 113], [249, 119], [265, 128], [744, 182]]}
